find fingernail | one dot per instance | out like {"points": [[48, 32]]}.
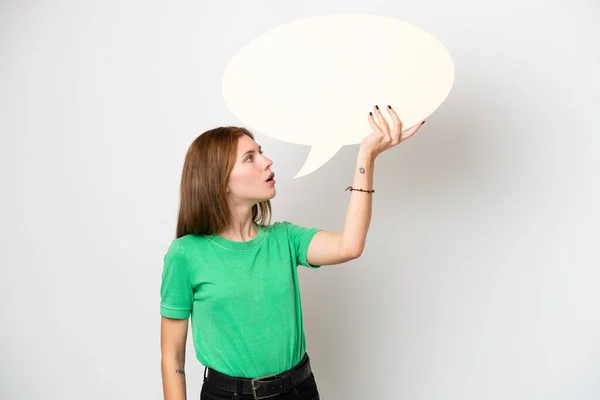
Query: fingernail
{"points": [[423, 122], [377, 107], [390, 107], [370, 113]]}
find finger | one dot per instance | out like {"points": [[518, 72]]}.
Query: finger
{"points": [[382, 121], [397, 129], [376, 129], [409, 132]]}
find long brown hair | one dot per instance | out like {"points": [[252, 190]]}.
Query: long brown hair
{"points": [[203, 206]]}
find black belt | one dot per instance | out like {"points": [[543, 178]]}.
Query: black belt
{"points": [[264, 386]]}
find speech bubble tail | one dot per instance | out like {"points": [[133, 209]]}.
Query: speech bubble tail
{"points": [[317, 157]]}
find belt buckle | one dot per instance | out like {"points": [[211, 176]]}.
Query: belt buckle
{"points": [[254, 388]]}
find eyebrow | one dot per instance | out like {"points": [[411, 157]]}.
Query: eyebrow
{"points": [[251, 151]]}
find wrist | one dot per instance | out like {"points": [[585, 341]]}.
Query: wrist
{"points": [[366, 156]]}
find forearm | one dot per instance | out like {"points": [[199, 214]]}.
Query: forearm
{"points": [[358, 214], [173, 378]]}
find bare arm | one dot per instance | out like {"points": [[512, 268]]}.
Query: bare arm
{"points": [[173, 336], [358, 214], [328, 248]]}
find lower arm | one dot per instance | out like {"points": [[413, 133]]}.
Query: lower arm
{"points": [[358, 215], [173, 378]]}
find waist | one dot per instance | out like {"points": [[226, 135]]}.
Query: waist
{"points": [[260, 387]]}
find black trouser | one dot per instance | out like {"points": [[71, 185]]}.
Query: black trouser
{"points": [[306, 390]]}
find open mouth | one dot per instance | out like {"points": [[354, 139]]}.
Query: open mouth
{"points": [[271, 177]]}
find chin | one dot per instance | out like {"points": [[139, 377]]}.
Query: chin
{"points": [[265, 198]]}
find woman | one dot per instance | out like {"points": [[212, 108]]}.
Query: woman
{"points": [[235, 275]]}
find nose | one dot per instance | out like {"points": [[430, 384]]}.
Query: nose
{"points": [[269, 161]]}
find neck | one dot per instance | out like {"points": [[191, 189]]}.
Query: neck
{"points": [[240, 231]]}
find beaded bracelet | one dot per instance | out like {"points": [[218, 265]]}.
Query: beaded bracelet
{"points": [[360, 190]]}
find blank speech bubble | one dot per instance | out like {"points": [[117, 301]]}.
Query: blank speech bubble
{"points": [[314, 81]]}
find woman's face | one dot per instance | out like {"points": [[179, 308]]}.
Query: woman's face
{"points": [[248, 179]]}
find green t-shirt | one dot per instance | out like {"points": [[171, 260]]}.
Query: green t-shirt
{"points": [[243, 298]]}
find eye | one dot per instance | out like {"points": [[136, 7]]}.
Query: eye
{"points": [[260, 151], [250, 156]]}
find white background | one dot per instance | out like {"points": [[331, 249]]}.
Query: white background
{"points": [[480, 275]]}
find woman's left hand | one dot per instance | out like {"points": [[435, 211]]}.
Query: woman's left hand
{"points": [[384, 138]]}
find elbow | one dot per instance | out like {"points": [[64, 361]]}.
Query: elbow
{"points": [[354, 253], [173, 354]]}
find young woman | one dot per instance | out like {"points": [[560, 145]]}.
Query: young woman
{"points": [[235, 274]]}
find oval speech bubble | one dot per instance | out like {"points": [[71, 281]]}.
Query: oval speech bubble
{"points": [[314, 81]]}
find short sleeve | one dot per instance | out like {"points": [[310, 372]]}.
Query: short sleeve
{"points": [[176, 295], [300, 238]]}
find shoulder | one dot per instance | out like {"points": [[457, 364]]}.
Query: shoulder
{"points": [[282, 224], [280, 227], [292, 230], [278, 224], [186, 245]]}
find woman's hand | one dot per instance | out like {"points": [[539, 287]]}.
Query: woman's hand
{"points": [[384, 138]]}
